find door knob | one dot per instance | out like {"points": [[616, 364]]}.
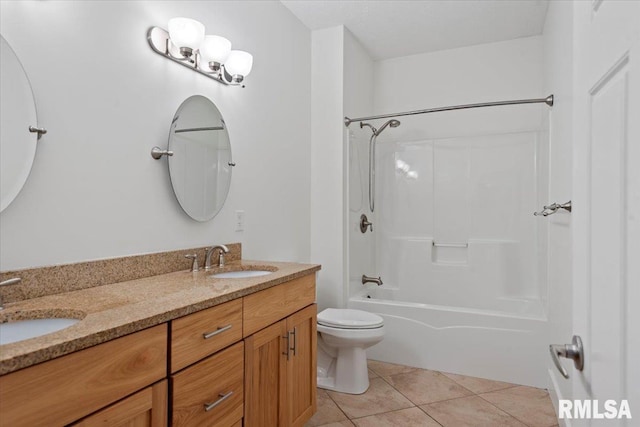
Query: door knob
{"points": [[573, 351]]}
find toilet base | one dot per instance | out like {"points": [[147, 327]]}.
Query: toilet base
{"points": [[348, 372]]}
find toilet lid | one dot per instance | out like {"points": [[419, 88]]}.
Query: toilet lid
{"points": [[349, 319]]}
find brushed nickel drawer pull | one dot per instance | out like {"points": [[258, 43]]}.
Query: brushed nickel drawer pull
{"points": [[288, 338], [223, 397], [220, 330], [294, 347]]}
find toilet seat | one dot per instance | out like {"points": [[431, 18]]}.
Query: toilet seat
{"points": [[349, 319]]}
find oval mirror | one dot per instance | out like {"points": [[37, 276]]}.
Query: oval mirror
{"points": [[200, 167], [17, 113]]}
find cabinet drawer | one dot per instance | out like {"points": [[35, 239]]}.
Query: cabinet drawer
{"points": [[198, 335], [206, 384], [65, 389], [266, 307]]}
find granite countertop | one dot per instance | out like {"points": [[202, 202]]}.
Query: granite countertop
{"points": [[114, 310]]}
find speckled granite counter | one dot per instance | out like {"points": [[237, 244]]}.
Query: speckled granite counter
{"points": [[114, 310]]}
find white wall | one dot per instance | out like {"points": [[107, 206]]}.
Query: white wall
{"points": [[327, 170], [487, 72], [358, 102], [558, 67], [106, 98], [342, 78]]}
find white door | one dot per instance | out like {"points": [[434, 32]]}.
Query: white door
{"points": [[606, 203]]}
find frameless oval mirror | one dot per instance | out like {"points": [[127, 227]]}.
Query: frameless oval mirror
{"points": [[200, 167], [17, 113]]}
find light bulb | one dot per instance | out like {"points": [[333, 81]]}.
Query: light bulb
{"points": [[214, 49], [187, 34], [239, 64]]}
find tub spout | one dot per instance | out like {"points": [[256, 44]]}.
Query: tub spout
{"points": [[367, 279]]}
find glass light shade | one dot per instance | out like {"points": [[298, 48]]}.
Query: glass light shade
{"points": [[185, 32], [239, 63], [214, 49]]}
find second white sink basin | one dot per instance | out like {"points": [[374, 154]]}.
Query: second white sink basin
{"points": [[24, 329], [241, 274]]}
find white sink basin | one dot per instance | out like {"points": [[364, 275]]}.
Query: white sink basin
{"points": [[24, 329], [241, 274]]}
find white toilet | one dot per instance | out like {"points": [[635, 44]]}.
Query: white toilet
{"points": [[343, 337]]}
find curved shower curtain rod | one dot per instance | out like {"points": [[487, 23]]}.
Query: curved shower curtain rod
{"points": [[548, 100]]}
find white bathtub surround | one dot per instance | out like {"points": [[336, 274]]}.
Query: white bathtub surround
{"points": [[462, 258], [480, 343]]}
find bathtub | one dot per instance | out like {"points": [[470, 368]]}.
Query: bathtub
{"points": [[491, 344]]}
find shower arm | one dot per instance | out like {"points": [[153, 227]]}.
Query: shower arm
{"points": [[548, 100]]}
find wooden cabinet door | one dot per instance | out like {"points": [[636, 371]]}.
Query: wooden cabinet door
{"points": [[146, 408], [265, 377], [301, 367]]}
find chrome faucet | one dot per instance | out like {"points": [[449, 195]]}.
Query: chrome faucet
{"points": [[8, 282], [367, 279], [210, 251]]}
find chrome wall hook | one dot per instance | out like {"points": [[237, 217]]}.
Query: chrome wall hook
{"points": [[157, 153], [553, 208]]}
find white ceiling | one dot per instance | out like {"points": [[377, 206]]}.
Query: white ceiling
{"points": [[393, 28]]}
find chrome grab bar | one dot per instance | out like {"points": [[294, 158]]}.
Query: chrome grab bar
{"points": [[449, 245], [553, 208], [222, 396], [220, 330]]}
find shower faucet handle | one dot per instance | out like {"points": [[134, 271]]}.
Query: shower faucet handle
{"points": [[364, 224]]}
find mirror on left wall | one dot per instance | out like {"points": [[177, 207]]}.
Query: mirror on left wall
{"points": [[18, 112]]}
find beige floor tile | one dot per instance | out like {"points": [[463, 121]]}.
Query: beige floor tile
{"points": [[328, 411], [380, 397], [470, 411], [530, 405], [385, 369], [412, 417], [478, 385], [422, 386], [372, 374], [346, 423]]}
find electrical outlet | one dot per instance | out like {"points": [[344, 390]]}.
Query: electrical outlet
{"points": [[239, 220]]}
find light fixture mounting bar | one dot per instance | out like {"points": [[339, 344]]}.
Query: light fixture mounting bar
{"points": [[158, 39]]}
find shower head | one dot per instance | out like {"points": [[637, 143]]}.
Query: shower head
{"points": [[393, 123]]}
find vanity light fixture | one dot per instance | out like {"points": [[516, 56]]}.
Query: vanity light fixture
{"points": [[210, 55]]}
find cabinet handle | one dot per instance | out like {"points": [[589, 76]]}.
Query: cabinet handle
{"points": [[223, 397], [287, 337], [295, 340], [220, 330]]}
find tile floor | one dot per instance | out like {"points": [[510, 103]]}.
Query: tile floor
{"points": [[401, 396]]}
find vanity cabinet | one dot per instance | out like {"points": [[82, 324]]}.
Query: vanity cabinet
{"points": [[280, 359], [63, 390], [146, 408], [250, 361]]}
